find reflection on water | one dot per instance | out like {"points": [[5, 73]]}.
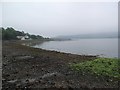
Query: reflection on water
{"points": [[104, 47]]}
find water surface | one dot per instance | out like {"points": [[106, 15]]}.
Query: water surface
{"points": [[107, 47]]}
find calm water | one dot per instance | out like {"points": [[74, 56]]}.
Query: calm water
{"points": [[102, 47]]}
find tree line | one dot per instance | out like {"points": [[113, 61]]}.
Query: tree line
{"points": [[11, 34]]}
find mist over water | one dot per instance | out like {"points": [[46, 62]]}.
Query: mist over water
{"points": [[107, 47]]}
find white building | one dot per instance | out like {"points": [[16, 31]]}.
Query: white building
{"points": [[23, 37]]}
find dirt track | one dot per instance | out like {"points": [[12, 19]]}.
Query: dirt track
{"points": [[26, 67]]}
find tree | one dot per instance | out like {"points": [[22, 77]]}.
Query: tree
{"points": [[11, 34]]}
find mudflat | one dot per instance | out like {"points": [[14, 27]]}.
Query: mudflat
{"points": [[26, 67]]}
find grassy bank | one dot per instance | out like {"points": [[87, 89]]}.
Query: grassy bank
{"points": [[100, 66]]}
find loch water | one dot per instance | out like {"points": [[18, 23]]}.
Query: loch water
{"points": [[104, 47]]}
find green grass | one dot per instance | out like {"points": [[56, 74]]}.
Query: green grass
{"points": [[100, 66]]}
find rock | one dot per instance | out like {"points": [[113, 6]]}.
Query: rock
{"points": [[12, 81], [51, 82], [4, 64], [3, 79], [31, 80], [7, 75], [24, 57], [50, 75]]}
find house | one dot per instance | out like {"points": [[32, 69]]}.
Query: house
{"points": [[23, 37], [27, 37]]}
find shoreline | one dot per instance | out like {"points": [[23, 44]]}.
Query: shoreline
{"points": [[27, 67], [30, 43], [36, 44]]}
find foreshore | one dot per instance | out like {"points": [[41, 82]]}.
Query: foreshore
{"points": [[26, 67]]}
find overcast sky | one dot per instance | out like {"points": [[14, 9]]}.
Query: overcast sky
{"points": [[68, 18]]}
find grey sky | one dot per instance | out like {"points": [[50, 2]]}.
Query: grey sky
{"points": [[53, 19]]}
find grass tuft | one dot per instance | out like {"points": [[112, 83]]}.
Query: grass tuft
{"points": [[100, 66]]}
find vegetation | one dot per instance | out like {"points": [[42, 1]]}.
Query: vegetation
{"points": [[100, 66], [11, 34]]}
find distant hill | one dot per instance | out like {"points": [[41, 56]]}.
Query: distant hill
{"points": [[96, 35]]}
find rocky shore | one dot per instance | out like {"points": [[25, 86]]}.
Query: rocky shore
{"points": [[26, 68]]}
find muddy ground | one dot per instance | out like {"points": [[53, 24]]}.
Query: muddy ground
{"points": [[27, 68]]}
